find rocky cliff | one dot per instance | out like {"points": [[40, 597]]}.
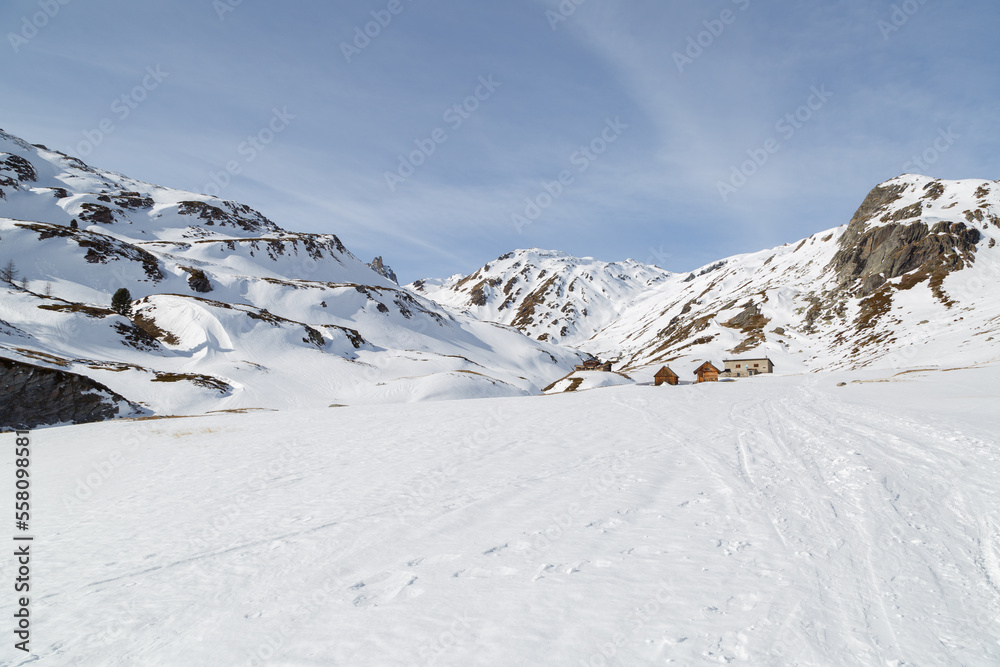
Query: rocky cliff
{"points": [[882, 242], [379, 267], [33, 396]]}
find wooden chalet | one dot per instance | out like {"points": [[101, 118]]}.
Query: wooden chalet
{"points": [[666, 376], [594, 365], [707, 373]]}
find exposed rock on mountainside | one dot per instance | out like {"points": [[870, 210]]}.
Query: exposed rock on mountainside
{"points": [[548, 295], [199, 282], [18, 167], [236, 215], [380, 268], [101, 248], [32, 396], [870, 255]]}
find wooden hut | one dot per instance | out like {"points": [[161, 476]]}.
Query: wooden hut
{"points": [[707, 373], [666, 376], [594, 365]]}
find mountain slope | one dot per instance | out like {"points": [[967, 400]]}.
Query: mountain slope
{"points": [[548, 295], [230, 310], [904, 283]]}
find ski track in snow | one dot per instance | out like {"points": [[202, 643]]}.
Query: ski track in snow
{"points": [[777, 521]]}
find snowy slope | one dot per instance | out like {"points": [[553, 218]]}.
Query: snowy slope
{"points": [[231, 311], [907, 281], [784, 521], [547, 294], [587, 380]]}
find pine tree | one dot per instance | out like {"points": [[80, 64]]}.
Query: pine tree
{"points": [[121, 302], [8, 273], [74, 224]]}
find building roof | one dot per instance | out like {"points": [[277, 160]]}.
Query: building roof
{"points": [[707, 363], [665, 371]]}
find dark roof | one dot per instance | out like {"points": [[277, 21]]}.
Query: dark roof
{"points": [[665, 371], [707, 363]]}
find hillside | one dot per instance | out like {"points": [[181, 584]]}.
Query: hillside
{"points": [[549, 295], [904, 283], [230, 310]]}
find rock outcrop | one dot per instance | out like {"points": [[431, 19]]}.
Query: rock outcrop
{"points": [[199, 282], [874, 250], [32, 396], [877, 255], [379, 267]]}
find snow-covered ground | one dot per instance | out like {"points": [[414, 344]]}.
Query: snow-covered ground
{"points": [[772, 521]]}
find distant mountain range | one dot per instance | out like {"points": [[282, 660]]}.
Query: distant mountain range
{"points": [[548, 295], [232, 312]]}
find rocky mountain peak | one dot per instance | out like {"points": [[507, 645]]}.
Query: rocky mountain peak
{"points": [[913, 223], [548, 294], [379, 267]]}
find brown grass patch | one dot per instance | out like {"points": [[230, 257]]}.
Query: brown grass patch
{"points": [[89, 311], [205, 381]]}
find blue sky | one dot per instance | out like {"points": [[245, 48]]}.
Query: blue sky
{"points": [[642, 107]]}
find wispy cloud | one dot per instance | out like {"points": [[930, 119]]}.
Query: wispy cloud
{"points": [[743, 66]]}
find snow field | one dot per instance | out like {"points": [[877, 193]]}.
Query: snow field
{"points": [[779, 520]]}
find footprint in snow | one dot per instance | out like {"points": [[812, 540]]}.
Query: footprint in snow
{"points": [[434, 560], [483, 573], [385, 587]]}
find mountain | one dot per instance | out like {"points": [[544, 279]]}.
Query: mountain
{"points": [[230, 311], [904, 283], [549, 295]]}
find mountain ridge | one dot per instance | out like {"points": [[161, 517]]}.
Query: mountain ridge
{"points": [[548, 294], [230, 310], [841, 298], [233, 312]]}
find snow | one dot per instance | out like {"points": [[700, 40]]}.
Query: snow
{"points": [[586, 380], [775, 520], [647, 317], [843, 511], [292, 321], [546, 293]]}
